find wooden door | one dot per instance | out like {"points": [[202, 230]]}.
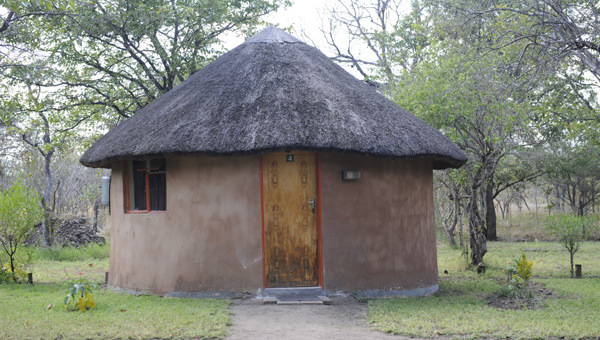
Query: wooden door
{"points": [[290, 219]]}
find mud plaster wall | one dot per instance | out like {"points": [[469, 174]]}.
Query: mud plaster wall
{"points": [[379, 231], [209, 239]]}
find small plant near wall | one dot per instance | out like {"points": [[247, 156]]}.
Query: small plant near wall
{"points": [[79, 294]]}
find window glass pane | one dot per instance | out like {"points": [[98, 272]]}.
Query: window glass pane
{"points": [[158, 165], [158, 192], [139, 186]]}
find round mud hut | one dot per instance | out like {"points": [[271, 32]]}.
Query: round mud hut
{"points": [[272, 167]]}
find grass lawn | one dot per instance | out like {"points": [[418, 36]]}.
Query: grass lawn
{"points": [[116, 316], [460, 308], [24, 312]]}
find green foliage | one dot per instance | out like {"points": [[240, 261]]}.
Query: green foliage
{"points": [[571, 231], [18, 273], [109, 71], [524, 268], [28, 258], [518, 274], [23, 261], [5, 275], [20, 210], [575, 166], [80, 292]]}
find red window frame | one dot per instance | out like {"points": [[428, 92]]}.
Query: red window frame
{"points": [[126, 165]]}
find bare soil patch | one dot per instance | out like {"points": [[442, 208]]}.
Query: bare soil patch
{"points": [[536, 301], [344, 319]]}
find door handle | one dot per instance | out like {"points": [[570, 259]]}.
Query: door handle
{"points": [[312, 204]]}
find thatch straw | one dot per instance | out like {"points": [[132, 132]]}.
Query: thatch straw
{"points": [[273, 92]]}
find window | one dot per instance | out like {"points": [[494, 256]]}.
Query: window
{"points": [[146, 185]]}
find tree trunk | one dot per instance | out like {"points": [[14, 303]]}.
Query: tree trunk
{"points": [[477, 232], [572, 273], [95, 225], [593, 199], [536, 201], [12, 263], [451, 238], [455, 215], [490, 215], [460, 230], [47, 229]]}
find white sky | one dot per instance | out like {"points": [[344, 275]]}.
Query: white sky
{"points": [[303, 15], [306, 17]]}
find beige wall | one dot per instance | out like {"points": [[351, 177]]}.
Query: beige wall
{"points": [[209, 239], [379, 231]]}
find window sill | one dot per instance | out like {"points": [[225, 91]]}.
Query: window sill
{"points": [[134, 212]]}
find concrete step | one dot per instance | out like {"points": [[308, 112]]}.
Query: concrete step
{"points": [[295, 291], [297, 300]]}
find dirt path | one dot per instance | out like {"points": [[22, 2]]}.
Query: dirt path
{"points": [[344, 319]]}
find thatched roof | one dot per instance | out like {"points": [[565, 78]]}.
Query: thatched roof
{"points": [[273, 92]]}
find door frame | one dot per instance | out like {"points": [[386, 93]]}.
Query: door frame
{"points": [[319, 225]]}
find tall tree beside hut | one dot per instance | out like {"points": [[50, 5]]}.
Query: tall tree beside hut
{"points": [[73, 69]]}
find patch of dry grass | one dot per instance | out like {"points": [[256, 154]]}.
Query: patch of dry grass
{"points": [[528, 227]]}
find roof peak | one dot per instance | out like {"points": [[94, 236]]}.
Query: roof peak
{"points": [[273, 34]]}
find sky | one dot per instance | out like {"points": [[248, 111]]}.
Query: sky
{"points": [[303, 15], [306, 18]]}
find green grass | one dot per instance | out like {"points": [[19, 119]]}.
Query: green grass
{"points": [[550, 259], [460, 308], [23, 313], [116, 316], [48, 271], [59, 264], [91, 251]]}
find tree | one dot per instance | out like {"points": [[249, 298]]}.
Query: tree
{"points": [[571, 231], [75, 68], [480, 107], [522, 166], [20, 210], [117, 56], [376, 38], [30, 116], [562, 29], [574, 177], [449, 204], [559, 35]]}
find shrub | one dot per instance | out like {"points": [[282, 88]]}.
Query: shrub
{"points": [[571, 231], [518, 274], [5, 275], [524, 268], [80, 291], [20, 210]]}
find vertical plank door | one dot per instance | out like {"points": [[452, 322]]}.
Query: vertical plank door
{"points": [[290, 219]]}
